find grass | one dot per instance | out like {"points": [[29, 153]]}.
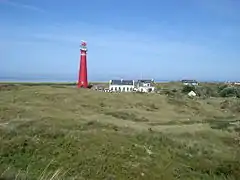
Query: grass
{"points": [[50, 132]]}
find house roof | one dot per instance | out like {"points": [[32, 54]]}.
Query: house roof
{"points": [[122, 82], [116, 82], [189, 81], [145, 81], [127, 82]]}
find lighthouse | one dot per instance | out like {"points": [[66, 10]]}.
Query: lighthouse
{"points": [[82, 78]]}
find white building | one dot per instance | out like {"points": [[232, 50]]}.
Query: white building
{"points": [[121, 85], [190, 82], [145, 85]]}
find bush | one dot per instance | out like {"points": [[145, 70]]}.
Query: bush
{"points": [[230, 92], [187, 89], [222, 87], [90, 86], [216, 91]]}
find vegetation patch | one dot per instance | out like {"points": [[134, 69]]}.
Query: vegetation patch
{"points": [[223, 124], [127, 116], [8, 87], [175, 122], [63, 133]]}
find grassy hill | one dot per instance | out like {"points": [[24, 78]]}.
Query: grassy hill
{"points": [[60, 132]]}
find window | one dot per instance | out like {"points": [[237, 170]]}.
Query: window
{"points": [[115, 88], [123, 89], [127, 88]]}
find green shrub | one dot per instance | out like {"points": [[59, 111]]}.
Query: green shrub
{"points": [[90, 86], [216, 91], [187, 89], [230, 92], [221, 87]]}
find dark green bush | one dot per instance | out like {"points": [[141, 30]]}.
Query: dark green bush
{"points": [[90, 86], [214, 91], [230, 92], [221, 87], [187, 89]]}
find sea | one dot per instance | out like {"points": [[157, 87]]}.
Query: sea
{"points": [[72, 78], [23, 78]]}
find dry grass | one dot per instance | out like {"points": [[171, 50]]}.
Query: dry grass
{"points": [[60, 132]]}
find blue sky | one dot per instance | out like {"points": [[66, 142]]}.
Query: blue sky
{"points": [[197, 39]]}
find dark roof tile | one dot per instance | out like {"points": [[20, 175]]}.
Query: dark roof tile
{"points": [[145, 81], [189, 81], [122, 82]]}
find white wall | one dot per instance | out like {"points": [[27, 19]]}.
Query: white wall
{"points": [[145, 89], [188, 84], [122, 88]]}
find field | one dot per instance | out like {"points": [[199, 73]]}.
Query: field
{"points": [[60, 132]]}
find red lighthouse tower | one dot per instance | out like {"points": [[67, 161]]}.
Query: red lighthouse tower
{"points": [[82, 78]]}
